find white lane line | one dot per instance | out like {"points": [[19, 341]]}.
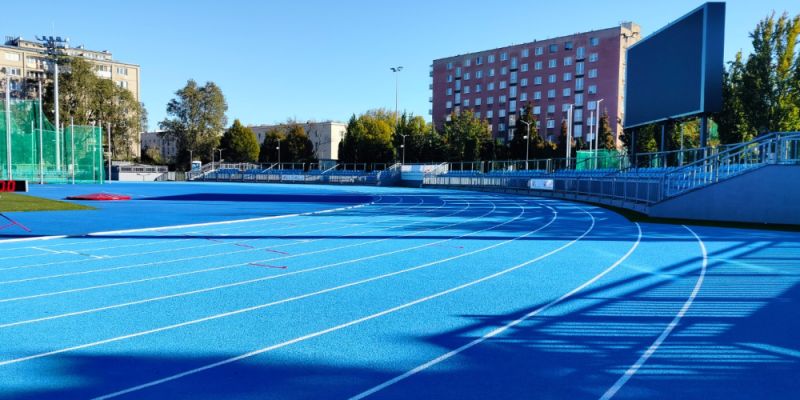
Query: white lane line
{"points": [[240, 283], [249, 250], [344, 325], [245, 263], [674, 323], [501, 329], [277, 302], [167, 250]]}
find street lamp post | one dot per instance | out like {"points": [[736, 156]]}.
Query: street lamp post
{"points": [[597, 133], [396, 71], [9, 175], [220, 156], [279, 153], [403, 146], [191, 158], [569, 134], [527, 138]]}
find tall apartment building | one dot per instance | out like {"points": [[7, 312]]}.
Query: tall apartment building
{"points": [[549, 75], [27, 61]]}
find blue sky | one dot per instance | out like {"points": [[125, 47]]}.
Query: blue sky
{"points": [[329, 59]]}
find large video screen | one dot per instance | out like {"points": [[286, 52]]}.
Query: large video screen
{"points": [[677, 71]]}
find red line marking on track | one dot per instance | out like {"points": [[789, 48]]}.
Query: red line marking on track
{"points": [[452, 247], [269, 266], [213, 240], [15, 223], [244, 245], [276, 251]]}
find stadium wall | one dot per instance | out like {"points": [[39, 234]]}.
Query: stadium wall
{"points": [[764, 195]]}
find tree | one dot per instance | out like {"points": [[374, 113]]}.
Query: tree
{"points": [[198, 120], [517, 146], [269, 147], [464, 136], [645, 138], [605, 136], [421, 141], [85, 98], [298, 147], [368, 138], [239, 143]]}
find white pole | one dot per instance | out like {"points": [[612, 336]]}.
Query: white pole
{"points": [[569, 134], [72, 140], [8, 127], [597, 133], [41, 137], [110, 154]]}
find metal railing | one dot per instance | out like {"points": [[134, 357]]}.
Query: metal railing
{"points": [[774, 148]]}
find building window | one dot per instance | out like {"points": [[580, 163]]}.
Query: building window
{"points": [[458, 72], [491, 72], [122, 71], [537, 80], [458, 85], [477, 114], [594, 41], [553, 48], [489, 100], [537, 110], [14, 72], [466, 89], [478, 88], [593, 57], [577, 131], [501, 127], [523, 82], [526, 52], [523, 96], [567, 61], [552, 63], [449, 78], [449, 91], [593, 73], [551, 78], [449, 104], [466, 102], [489, 114], [551, 123], [466, 76], [580, 53], [578, 99], [478, 101], [478, 74], [513, 62], [512, 92], [512, 106], [525, 67], [502, 100], [567, 76], [467, 62], [551, 94], [566, 92], [537, 65], [565, 107], [490, 59], [578, 84], [501, 113], [551, 108], [449, 66], [478, 60], [12, 57], [538, 51], [592, 89], [568, 45], [458, 98], [503, 71], [578, 115], [504, 56], [490, 86], [537, 95], [503, 85], [591, 105], [579, 68]]}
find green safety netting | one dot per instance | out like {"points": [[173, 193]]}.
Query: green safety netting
{"points": [[598, 159], [39, 153]]}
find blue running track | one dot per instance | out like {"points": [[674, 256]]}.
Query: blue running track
{"points": [[242, 291]]}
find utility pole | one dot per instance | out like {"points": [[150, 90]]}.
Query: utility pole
{"points": [[9, 174]]}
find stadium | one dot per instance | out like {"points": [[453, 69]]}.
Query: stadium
{"points": [[610, 274]]}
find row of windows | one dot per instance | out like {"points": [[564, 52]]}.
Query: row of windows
{"points": [[539, 50], [537, 66], [578, 102], [537, 80]]}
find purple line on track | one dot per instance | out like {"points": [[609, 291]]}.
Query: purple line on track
{"points": [[269, 266], [276, 251]]}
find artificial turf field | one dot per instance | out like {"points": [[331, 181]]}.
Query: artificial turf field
{"points": [[208, 291]]}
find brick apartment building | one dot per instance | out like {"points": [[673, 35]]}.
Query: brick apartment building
{"points": [[549, 75]]}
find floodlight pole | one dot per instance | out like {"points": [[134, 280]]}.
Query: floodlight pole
{"points": [[569, 134], [41, 138], [72, 141], [279, 153], [110, 154], [403, 146], [597, 133], [8, 126], [527, 138]]}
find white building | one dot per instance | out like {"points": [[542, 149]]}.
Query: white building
{"points": [[325, 136]]}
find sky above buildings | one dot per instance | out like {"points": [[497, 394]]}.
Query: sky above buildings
{"points": [[325, 60]]}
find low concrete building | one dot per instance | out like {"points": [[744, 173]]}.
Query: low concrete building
{"points": [[326, 136]]}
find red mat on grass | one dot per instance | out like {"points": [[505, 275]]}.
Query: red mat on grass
{"points": [[100, 197]]}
